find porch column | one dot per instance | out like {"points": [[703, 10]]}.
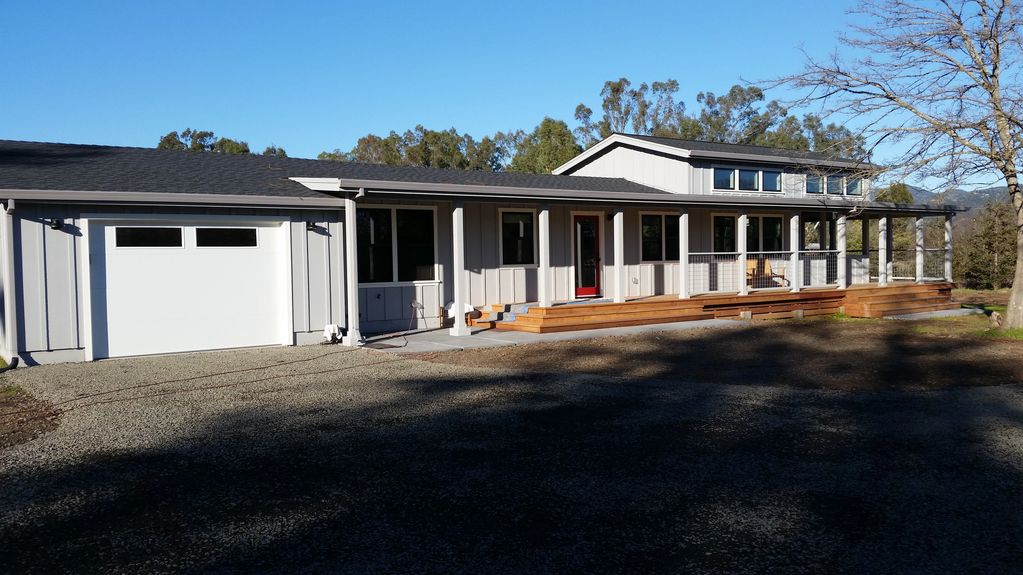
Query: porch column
{"points": [[918, 223], [354, 336], [948, 247], [795, 229], [619, 251], [740, 244], [543, 274], [843, 252], [683, 253], [882, 250], [458, 269]]}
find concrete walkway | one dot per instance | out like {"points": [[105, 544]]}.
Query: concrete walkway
{"points": [[439, 340]]}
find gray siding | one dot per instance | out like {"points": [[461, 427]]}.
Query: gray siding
{"points": [[48, 272]]}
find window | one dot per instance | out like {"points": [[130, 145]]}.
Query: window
{"points": [[813, 184], [225, 237], [763, 234], [749, 180], [658, 237], [724, 234], [395, 244], [517, 239], [853, 187], [148, 237], [415, 245], [835, 185], [724, 179]]}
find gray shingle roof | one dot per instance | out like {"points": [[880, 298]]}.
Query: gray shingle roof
{"points": [[47, 166], [701, 146]]}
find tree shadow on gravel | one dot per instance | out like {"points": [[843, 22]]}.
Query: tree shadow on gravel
{"points": [[538, 473], [839, 355]]}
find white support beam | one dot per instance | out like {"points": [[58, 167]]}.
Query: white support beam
{"points": [[882, 250], [683, 253], [458, 328], [619, 254], [948, 247], [543, 278], [918, 224], [841, 227], [740, 243], [354, 335], [795, 234]]}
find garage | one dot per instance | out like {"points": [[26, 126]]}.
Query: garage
{"points": [[175, 286]]}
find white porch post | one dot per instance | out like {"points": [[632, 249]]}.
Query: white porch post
{"points": [[843, 252], [882, 250], [543, 277], [354, 337], [740, 243], [619, 251], [795, 227], [948, 247], [683, 253], [458, 269], [918, 223]]}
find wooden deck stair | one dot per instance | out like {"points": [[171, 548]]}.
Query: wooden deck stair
{"points": [[858, 301]]}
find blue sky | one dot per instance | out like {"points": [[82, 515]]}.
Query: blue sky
{"points": [[313, 76]]}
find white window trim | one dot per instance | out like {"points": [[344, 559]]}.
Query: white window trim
{"points": [[664, 236], [601, 216], [735, 177], [500, 239], [394, 246]]}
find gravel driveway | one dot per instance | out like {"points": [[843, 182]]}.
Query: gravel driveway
{"points": [[320, 459]]}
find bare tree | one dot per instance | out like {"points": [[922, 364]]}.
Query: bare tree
{"points": [[941, 79]]}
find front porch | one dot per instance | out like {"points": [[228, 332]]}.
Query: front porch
{"points": [[897, 298]]}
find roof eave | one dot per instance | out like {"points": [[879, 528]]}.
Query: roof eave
{"points": [[163, 198]]}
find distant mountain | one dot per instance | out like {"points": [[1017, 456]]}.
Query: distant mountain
{"points": [[960, 197]]}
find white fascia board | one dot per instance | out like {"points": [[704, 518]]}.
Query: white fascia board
{"points": [[615, 139], [85, 196], [320, 184]]}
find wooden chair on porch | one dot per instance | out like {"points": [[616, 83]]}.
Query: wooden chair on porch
{"points": [[760, 275]]}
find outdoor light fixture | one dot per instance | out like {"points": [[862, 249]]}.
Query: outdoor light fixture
{"points": [[55, 223], [310, 226]]}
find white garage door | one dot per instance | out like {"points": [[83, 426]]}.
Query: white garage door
{"points": [[162, 288]]}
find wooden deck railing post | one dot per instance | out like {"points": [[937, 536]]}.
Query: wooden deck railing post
{"points": [[458, 269], [619, 253], [843, 252], [795, 234], [882, 250], [740, 243], [543, 272], [918, 224], [683, 253], [948, 247]]}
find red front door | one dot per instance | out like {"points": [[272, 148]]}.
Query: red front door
{"points": [[587, 255]]}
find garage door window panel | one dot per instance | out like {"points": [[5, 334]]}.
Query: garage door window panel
{"points": [[148, 237], [226, 238]]}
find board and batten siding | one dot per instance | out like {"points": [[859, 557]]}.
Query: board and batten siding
{"points": [[48, 272], [654, 170]]}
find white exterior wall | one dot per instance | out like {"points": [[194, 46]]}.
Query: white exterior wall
{"points": [[664, 173]]}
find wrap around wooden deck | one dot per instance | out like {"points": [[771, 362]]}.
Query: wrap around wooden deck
{"points": [[856, 301]]}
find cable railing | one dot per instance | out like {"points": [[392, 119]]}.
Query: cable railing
{"points": [[769, 270], [713, 272], [934, 264], [818, 268], [903, 264]]}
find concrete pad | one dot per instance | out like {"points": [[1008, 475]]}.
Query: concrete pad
{"points": [[439, 340]]}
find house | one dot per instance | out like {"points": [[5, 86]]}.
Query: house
{"points": [[114, 251]]}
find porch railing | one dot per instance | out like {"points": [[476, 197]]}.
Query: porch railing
{"points": [[767, 270], [934, 264], [713, 272], [903, 264], [818, 268]]}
